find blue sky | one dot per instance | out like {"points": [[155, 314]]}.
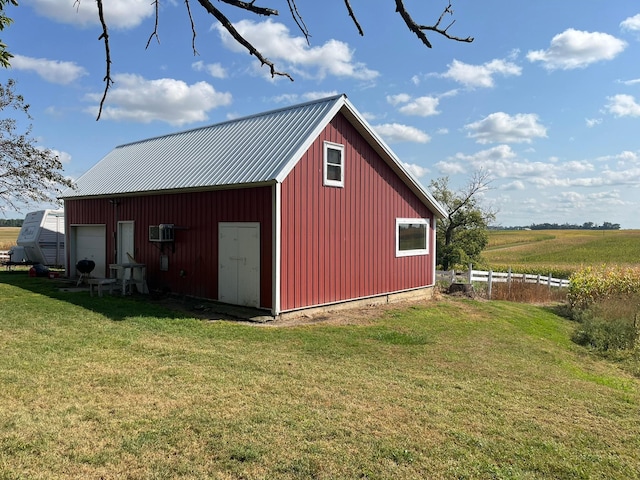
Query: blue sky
{"points": [[546, 99]]}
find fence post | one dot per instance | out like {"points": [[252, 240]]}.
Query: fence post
{"points": [[509, 283], [489, 284], [470, 273], [549, 281], [538, 281], [453, 275]]}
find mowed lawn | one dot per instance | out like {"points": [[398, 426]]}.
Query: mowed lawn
{"points": [[561, 250], [118, 387]]}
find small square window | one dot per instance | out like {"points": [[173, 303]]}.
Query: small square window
{"points": [[412, 236], [333, 165]]}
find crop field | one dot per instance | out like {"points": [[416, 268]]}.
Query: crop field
{"points": [[8, 237], [561, 252]]}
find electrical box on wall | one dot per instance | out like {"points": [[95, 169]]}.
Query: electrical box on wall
{"points": [[161, 233]]}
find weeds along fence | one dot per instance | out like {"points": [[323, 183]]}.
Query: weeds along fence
{"points": [[490, 277]]}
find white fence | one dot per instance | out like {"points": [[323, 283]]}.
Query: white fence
{"points": [[489, 277]]}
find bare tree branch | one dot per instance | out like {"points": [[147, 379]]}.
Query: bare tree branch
{"points": [[105, 36], [293, 8], [193, 28], [224, 21], [419, 29], [251, 7], [353, 17], [156, 4]]}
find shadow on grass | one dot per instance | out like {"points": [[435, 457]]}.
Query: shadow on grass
{"points": [[115, 307]]}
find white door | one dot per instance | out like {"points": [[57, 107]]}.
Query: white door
{"points": [[89, 242], [125, 242], [239, 263]]}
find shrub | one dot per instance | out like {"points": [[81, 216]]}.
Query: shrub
{"points": [[610, 323]]}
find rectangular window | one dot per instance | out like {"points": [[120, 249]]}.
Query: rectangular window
{"points": [[412, 236], [333, 165]]}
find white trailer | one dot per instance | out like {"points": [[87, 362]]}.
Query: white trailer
{"points": [[41, 239]]}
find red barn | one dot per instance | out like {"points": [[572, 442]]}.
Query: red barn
{"points": [[294, 208]]}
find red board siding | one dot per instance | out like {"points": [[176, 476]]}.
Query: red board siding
{"points": [[196, 216], [339, 243]]}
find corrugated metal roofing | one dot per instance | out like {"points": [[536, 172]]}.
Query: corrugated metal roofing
{"points": [[247, 150], [257, 149]]}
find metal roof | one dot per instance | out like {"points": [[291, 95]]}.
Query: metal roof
{"points": [[257, 149]]}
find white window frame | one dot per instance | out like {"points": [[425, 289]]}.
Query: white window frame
{"points": [[326, 181], [418, 251]]}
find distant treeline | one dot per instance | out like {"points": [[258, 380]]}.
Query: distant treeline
{"points": [[563, 226], [15, 222]]}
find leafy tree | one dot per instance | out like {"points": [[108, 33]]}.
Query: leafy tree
{"points": [[463, 234], [28, 173], [5, 21]]}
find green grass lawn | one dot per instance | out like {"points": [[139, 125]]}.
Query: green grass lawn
{"points": [[118, 387], [561, 251]]}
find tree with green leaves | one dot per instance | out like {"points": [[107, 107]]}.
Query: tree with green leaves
{"points": [[463, 234], [5, 55], [28, 173]]}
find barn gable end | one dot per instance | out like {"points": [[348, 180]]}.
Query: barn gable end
{"points": [[338, 244]]}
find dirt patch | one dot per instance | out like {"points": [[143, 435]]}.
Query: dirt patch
{"points": [[211, 311]]}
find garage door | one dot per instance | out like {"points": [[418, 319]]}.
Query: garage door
{"points": [[89, 242]]}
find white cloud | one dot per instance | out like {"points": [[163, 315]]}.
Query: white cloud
{"points": [[214, 69], [623, 106], [395, 132], [398, 99], [635, 81], [500, 127], [515, 185], [137, 99], [503, 163], [294, 54], [118, 13], [416, 170], [481, 75], [64, 157], [421, 106], [631, 24], [577, 49], [592, 122], [53, 71]]}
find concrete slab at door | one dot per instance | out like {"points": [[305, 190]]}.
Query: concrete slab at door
{"points": [[239, 263]]}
